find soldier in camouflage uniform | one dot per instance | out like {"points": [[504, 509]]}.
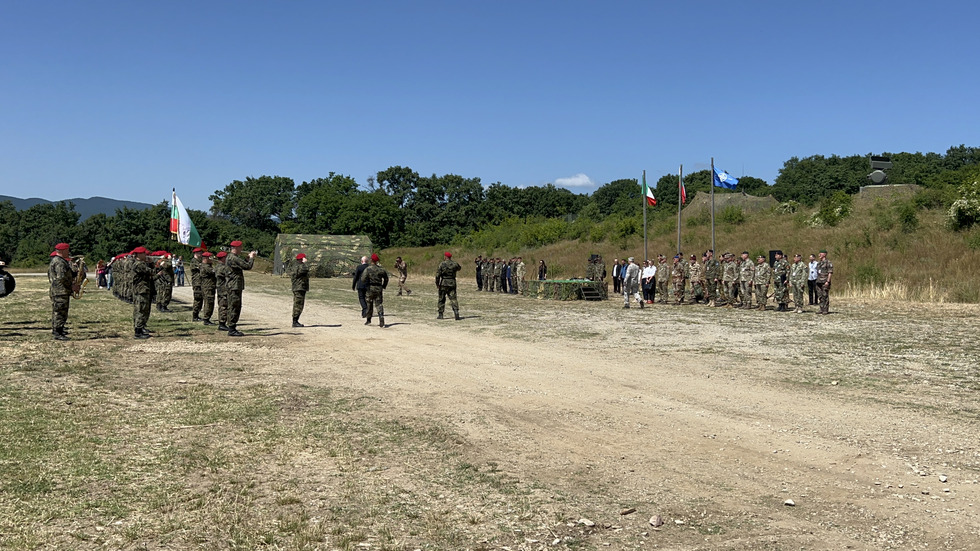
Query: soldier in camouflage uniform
{"points": [[712, 274], [678, 276], [235, 282], [825, 270], [375, 279], [729, 278], [695, 273], [209, 281], [498, 265], [798, 275], [163, 279], [142, 272], [479, 272], [221, 289], [61, 276], [663, 279], [631, 284], [521, 276], [196, 284], [446, 285], [780, 277], [746, 278], [402, 268], [486, 270], [762, 280], [300, 278]]}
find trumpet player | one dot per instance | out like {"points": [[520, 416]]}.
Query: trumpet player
{"points": [[61, 276]]}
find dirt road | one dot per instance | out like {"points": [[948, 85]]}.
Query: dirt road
{"points": [[715, 419]]}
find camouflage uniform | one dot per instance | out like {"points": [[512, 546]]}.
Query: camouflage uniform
{"points": [[521, 277], [729, 276], [762, 279], [824, 270], [375, 279], [798, 274], [61, 276], [221, 290], [402, 268], [142, 290], [663, 278], [696, 275], [678, 275], [780, 277], [446, 283], [209, 281], [712, 274], [486, 270], [746, 276], [163, 279], [235, 282], [300, 277], [196, 288]]}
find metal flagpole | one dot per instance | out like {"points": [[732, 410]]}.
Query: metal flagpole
{"points": [[643, 193], [712, 203], [680, 182]]}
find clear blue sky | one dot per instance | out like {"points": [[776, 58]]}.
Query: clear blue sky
{"points": [[129, 99]]}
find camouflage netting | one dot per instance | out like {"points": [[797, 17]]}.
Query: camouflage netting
{"points": [[749, 203], [566, 289], [329, 255]]}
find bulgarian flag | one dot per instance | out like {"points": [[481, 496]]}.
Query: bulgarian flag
{"points": [[181, 225], [651, 200], [683, 191]]}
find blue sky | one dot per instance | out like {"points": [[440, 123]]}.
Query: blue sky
{"points": [[130, 99]]}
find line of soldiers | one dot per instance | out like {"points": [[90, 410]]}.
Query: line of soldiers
{"points": [[733, 282], [501, 275]]}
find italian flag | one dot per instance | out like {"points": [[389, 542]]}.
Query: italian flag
{"points": [[651, 200], [181, 225]]}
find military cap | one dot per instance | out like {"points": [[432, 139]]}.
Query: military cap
{"points": [[61, 247], [375, 257], [221, 254], [139, 250], [300, 256], [448, 254], [824, 251], [235, 244], [197, 250], [206, 255]]}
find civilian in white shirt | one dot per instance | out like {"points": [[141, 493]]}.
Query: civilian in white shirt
{"points": [[811, 282]]}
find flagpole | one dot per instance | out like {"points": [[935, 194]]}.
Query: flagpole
{"points": [[680, 184], [643, 197], [712, 203]]}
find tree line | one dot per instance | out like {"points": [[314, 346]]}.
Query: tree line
{"points": [[399, 207]]}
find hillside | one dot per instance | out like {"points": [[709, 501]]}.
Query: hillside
{"points": [[84, 207]]}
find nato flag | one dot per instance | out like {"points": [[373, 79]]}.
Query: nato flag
{"points": [[722, 179]]}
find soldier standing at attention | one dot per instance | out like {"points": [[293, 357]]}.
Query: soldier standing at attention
{"points": [[446, 284], [780, 277], [663, 280], [209, 282], [798, 274], [196, 284], [235, 281], [479, 272], [142, 272], [763, 277], [300, 276], [375, 280], [163, 279], [746, 277], [825, 269], [695, 273], [521, 276], [678, 275], [61, 276], [712, 274], [402, 268], [221, 289], [729, 273]]}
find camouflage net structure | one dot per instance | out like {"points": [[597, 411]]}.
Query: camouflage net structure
{"points": [[701, 203], [328, 255], [565, 289]]}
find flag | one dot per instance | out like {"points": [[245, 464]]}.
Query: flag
{"points": [[651, 200], [181, 225], [683, 191], [723, 179]]}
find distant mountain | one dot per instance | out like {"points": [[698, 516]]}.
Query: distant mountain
{"points": [[84, 207]]}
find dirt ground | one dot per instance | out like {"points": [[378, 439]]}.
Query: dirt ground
{"points": [[742, 430]]}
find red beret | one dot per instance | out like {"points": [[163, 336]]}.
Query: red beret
{"points": [[61, 247], [235, 244], [449, 254], [375, 257], [300, 256], [206, 255], [197, 250], [221, 254], [139, 250]]}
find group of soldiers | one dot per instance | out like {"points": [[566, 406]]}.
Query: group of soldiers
{"points": [[732, 282], [499, 275]]}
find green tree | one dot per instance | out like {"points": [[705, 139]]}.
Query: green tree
{"points": [[399, 182], [9, 238], [619, 197], [259, 203]]}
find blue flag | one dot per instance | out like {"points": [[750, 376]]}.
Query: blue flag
{"points": [[722, 179]]}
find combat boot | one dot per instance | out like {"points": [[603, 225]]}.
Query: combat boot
{"points": [[762, 307], [381, 322], [440, 316], [296, 323], [368, 322], [456, 315], [141, 335], [222, 327]]}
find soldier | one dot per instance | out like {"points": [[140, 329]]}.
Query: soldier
{"points": [[780, 277], [358, 285], [663, 279], [221, 289], [235, 282], [196, 283], [798, 274], [479, 272], [446, 285], [695, 273], [495, 275], [300, 277], [485, 272], [375, 281], [502, 284], [402, 268], [142, 272], [600, 270], [678, 276], [163, 279], [746, 278], [631, 284], [521, 276], [825, 270], [762, 279], [209, 282], [61, 276], [712, 275]]}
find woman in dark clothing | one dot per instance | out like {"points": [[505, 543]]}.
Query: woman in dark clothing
{"points": [[542, 271]]}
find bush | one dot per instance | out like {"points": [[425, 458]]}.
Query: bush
{"points": [[733, 215], [835, 208], [866, 274], [964, 213], [908, 218]]}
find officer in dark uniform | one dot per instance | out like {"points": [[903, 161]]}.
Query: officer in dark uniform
{"points": [[446, 283]]}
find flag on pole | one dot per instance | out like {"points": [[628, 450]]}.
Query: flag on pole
{"points": [[680, 182], [181, 225], [651, 200], [723, 179]]}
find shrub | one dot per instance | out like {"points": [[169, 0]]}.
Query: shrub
{"points": [[908, 218], [733, 215], [835, 208], [964, 213]]}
